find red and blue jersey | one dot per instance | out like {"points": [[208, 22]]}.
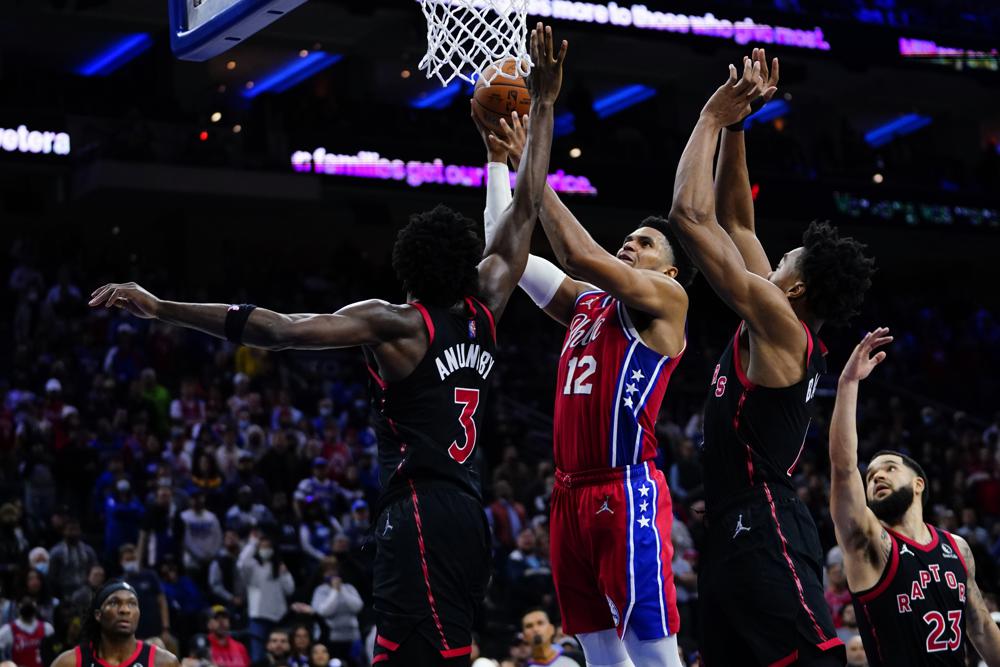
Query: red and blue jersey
{"points": [[609, 389]]}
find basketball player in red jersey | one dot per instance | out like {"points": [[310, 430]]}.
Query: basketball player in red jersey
{"points": [[611, 512], [913, 586], [431, 362], [760, 579], [108, 634]]}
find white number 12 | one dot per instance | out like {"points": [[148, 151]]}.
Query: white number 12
{"points": [[586, 365]]}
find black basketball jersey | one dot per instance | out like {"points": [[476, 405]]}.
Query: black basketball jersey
{"points": [[144, 656], [754, 435], [915, 615], [429, 423]]}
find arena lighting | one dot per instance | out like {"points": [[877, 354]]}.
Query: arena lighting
{"points": [[912, 212], [641, 17], [439, 98], [899, 127], [116, 55], [959, 58], [292, 73], [369, 164], [606, 105], [23, 140]]}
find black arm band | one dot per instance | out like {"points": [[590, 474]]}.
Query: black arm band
{"points": [[755, 106], [236, 321]]}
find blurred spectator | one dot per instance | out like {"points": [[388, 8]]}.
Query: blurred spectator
{"points": [[228, 454], [529, 575], [848, 623], [279, 466], [184, 599], [317, 531], [22, 639], [124, 360], [319, 656], [206, 478], [320, 489], [685, 473], [202, 534], [13, 543], [278, 650], [301, 647], [154, 613], [538, 633], [224, 580], [837, 594], [35, 587], [81, 597], [70, 561], [268, 583], [246, 514], [339, 603], [506, 516], [970, 529], [247, 476], [358, 525], [225, 651], [189, 408], [162, 532], [157, 398], [122, 517]]}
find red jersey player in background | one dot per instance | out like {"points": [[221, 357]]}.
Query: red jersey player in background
{"points": [[913, 586], [611, 510]]}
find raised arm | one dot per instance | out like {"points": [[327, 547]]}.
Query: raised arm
{"points": [[507, 252], [865, 542], [733, 196], [979, 625], [364, 323], [693, 216]]}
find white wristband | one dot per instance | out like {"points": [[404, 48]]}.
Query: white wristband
{"points": [[498, 196], [541, 280]]}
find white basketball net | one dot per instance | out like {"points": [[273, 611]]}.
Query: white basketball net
{"points": [[465, 37]]}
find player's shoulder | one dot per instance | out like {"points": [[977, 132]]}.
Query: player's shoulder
{"points": [[66, 658], [164, 658], [963, 546]]}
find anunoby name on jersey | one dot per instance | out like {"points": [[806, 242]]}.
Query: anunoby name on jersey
{"points": [[464, 355]]}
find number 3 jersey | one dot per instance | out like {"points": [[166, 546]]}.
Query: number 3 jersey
{"points": [[915, 615], [429, 423], [608, 390]]}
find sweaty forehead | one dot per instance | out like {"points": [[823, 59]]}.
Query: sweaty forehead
{"points": [[650, 233], [121, 596]]}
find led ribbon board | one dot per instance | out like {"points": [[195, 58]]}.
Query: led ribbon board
{"points": [[369, 164], [201, 29]]}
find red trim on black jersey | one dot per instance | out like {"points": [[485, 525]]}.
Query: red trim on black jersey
{"points": [[787, 660], [809, 344], [744, 380], [958, 552], [79, 656], [152, 655], [791, 566], [830, 643], [386, 643], [381, 657], [864, 597], [457, 652], [427, 321], [382, 384], [423, 564], [489, 316], [916, 545], [871, 626], [127, 661]]}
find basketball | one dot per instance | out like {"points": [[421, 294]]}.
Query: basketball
{"points": [[500, 98]]}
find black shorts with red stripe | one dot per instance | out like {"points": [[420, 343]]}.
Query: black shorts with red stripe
{"points": [[760, 587], [432, 566]]}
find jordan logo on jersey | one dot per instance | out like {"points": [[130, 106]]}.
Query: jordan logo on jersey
{"points": [[605, 507], [905, 550], [740, 528], [583, 330]]}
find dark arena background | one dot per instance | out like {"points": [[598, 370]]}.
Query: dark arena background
{"points": [[251, 177]]}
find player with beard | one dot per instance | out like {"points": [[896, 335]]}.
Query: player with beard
{"points": [[108, 634], [913, 585]]}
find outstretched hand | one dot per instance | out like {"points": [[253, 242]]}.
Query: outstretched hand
{"points": [[770, 75], [730, 103], [126, 296], [862, 362], [513, 136], [545, 80]]}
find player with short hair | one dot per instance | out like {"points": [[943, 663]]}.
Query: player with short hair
{"points": [[611, 510], [431, 362], [913, 585], [760, 582], [108, 634]]}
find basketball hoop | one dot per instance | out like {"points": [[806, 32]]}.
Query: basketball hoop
{"points": [[465, 37]]}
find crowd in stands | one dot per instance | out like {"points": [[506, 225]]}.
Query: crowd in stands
{"points": [[231, 487]]}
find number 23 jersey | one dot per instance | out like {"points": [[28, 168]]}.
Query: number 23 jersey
{"points": [[609, 389]]}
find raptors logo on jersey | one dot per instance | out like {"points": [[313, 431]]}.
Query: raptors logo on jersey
{"points": [[608, 390], [915, 614]]}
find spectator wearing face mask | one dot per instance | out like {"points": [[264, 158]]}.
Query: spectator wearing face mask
{"points": [[269, 584], [122, 518], [21, 639]]}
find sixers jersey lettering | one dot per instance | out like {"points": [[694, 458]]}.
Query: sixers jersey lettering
{"points": [[754, 435], [609, 389], [915, 615], [429, 423], [27, 648]]}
